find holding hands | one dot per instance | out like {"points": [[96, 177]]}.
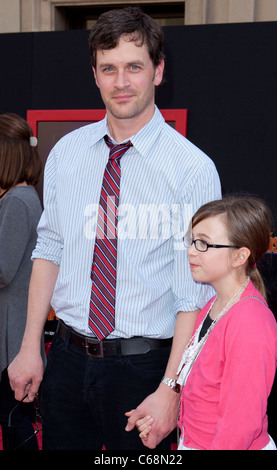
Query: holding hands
{"points": [[154, 427]]}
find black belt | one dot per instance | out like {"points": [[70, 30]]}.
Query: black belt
{"points": [[111, 347]]}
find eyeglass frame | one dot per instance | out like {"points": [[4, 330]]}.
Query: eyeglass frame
{"points": [[193, 241], [37, 422]]}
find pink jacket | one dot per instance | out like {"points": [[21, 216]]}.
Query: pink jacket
{"points": [[224, 402]]}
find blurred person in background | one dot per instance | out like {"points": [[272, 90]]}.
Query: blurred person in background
{"points": [[20, 211]]}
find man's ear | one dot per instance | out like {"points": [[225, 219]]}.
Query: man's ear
{"points": [[95, 76], [159, 73]]}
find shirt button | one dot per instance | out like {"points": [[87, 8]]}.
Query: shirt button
{"points": [[185, 438]]}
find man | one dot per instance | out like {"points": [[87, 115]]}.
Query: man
{"points": [[97, 369]]}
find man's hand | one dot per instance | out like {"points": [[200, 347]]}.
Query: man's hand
{"points": [[162, 406], [25, 374]]}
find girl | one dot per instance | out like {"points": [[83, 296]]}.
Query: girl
{"points": [[227, 369], [20, 211]]}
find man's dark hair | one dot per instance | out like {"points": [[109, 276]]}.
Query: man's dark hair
{"points": [[131, 22]]}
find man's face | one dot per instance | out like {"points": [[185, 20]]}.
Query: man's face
{"points": [[127, 78]]}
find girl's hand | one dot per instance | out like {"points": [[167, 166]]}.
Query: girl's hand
{"points": [[143, 425]]}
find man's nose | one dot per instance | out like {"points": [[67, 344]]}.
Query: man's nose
{"points": [[122, 79]]}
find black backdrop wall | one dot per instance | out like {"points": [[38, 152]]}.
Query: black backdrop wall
{"points": [[225, 75]]}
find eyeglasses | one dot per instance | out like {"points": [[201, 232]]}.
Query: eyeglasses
{"points": [[37, 423], [202, 245]]}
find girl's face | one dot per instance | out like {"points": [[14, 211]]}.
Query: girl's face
{"points": [[216, 264]]}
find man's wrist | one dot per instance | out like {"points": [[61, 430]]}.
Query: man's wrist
{"points": [[171, 383]]}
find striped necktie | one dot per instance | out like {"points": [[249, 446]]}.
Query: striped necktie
{"points": [[103, 271]]}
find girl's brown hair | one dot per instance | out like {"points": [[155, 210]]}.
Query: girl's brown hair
{"points": [[249, 224], [19, 161]]}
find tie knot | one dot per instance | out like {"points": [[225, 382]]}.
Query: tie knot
{"points": [[117, 150]]}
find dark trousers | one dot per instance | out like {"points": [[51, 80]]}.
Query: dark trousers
{"points": [[83, 399], [21, 427]]}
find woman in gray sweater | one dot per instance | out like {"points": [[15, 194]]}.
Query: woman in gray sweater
{"points": [[20, 211]]}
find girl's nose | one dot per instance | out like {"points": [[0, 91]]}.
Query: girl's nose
{"points": [[192, 251]]}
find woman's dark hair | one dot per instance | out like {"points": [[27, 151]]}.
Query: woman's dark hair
{"points": [[19, 161], [249, 224], [132, 23]]}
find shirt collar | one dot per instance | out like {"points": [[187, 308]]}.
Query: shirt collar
{"points": [[142, 140], [100, 130]]}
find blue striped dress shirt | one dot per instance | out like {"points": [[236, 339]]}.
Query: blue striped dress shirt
{"points": [[164, 179]]}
